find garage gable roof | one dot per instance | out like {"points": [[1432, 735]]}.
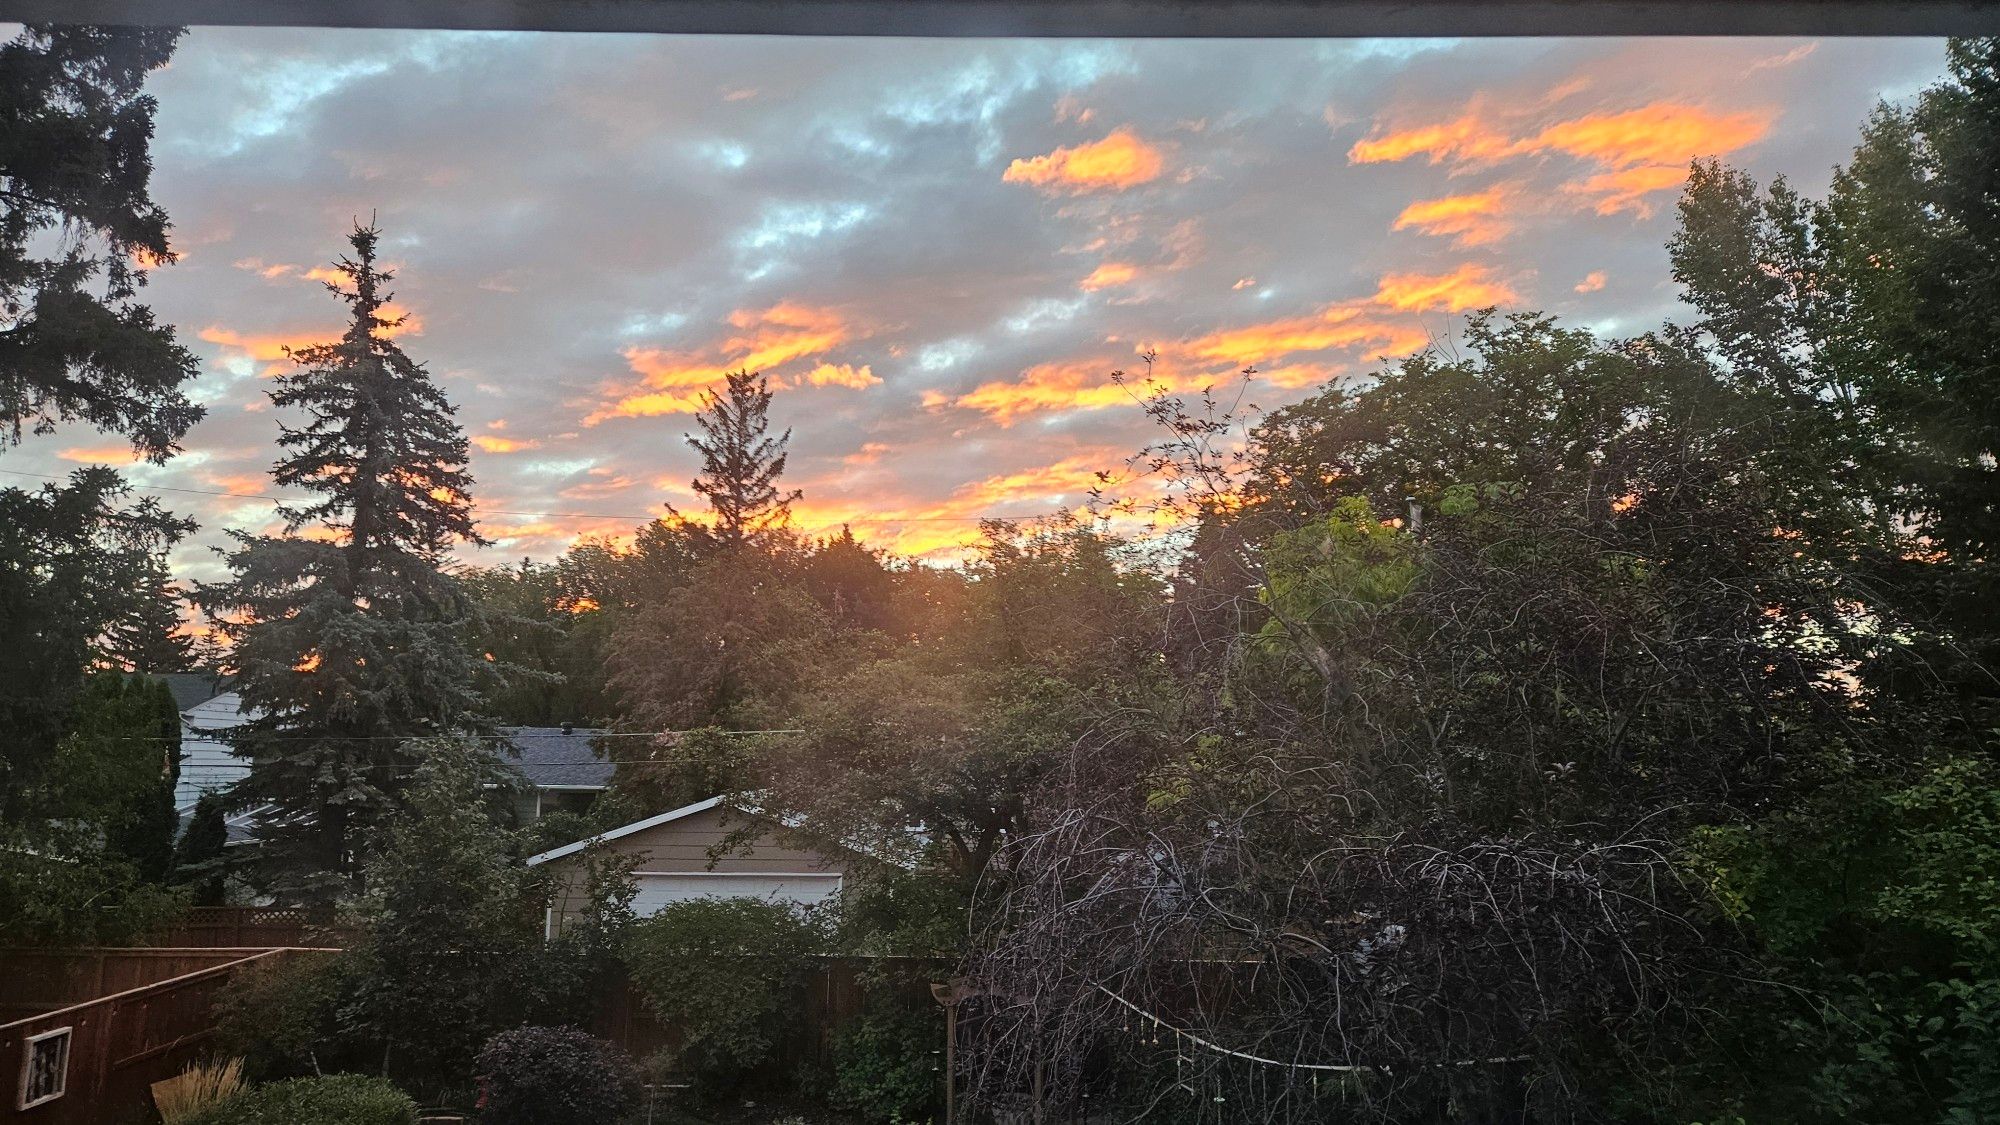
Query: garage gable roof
{"points": [[627, 830]]}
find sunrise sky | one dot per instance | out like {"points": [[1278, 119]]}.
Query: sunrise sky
{"points": [[938, 249]]}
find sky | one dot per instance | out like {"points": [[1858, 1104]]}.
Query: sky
{"points": [[937, 250]]}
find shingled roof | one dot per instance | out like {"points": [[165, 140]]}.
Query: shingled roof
{"points": [[552, 756]]}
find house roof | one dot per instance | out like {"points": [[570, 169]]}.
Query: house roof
{"points": [[191, 689], [627, 830], [690, 810], [551, 757]]}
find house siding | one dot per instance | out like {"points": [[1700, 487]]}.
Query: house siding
{"points": [[691, 845]]}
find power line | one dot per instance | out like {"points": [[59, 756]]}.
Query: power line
{"points": [[537, 515]]}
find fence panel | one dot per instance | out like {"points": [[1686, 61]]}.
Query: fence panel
{"points": [[261, 927], [120, 1044]]}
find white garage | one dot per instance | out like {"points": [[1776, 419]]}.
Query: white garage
{"points": [[658, 888], [710, 849]]}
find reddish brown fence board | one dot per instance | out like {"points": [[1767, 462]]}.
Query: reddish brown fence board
{"points": [[34, 981], [121, 1043]]}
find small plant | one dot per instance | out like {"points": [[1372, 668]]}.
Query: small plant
{"points": [[336, 1099], [555, 1076], [196, 1090]]}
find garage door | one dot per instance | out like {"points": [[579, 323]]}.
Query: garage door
{"points": [[658, 888]]}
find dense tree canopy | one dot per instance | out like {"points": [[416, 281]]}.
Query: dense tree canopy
{"points": [[75, 135]]}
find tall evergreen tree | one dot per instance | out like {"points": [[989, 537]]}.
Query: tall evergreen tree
{"points": [[76, 347], [741, 462], [351, 641], [148, 637], [74, 138]]}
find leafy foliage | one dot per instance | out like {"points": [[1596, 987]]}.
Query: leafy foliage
{"points": [[886, 1066], [555, 1076], [726, 974], [92, 848], [283, 1017], [336, 1099], [453, 937]]}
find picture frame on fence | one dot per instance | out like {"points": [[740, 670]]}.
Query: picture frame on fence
{"points": [[44, 1067]]}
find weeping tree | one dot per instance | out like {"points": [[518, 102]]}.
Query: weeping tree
{"points": [[348, 636], [1419, 853]]}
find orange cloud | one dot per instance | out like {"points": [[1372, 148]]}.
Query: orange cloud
{"points": [[1043, 388], [1108, 275], [1372, 324], [1592, 282], [1336, 326], [493, 443], [784, 332], [408, 323], [239, 483], [1642, 150], [1067, 481], [100, 455], [1295, 375], [1464, 139], [1470, 286], [1119, 161], [1469, 220], [841, 375], [1627, 189], [263, 348], [1664, 133], [673, 382]]}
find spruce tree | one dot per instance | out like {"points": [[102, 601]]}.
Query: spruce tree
{"points": [[198, 857], [741, 462], [148, 638], [350, 641], [77, 227]]}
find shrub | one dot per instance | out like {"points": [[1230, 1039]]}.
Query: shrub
{"points": [[725, 973], [555, 1076], [282, 1015], [884, 1068], [337, 1099]]}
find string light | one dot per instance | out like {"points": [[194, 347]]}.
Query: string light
{"points": [[1340, 1068]]}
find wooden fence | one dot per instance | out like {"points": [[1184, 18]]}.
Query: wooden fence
{"points": [[831, 998], [259, 927], [118, 1044], [34, 981]]}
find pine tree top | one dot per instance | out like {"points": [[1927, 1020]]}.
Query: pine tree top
{"points": [[383, 446], [740, 460]]}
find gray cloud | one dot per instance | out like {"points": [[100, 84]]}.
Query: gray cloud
{"points": [[552, 201]]}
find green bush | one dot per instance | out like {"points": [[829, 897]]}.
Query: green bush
{"points": [[725, 973], [337, 1099], [282, 1017], [555, 1076], [885, 1068]]}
